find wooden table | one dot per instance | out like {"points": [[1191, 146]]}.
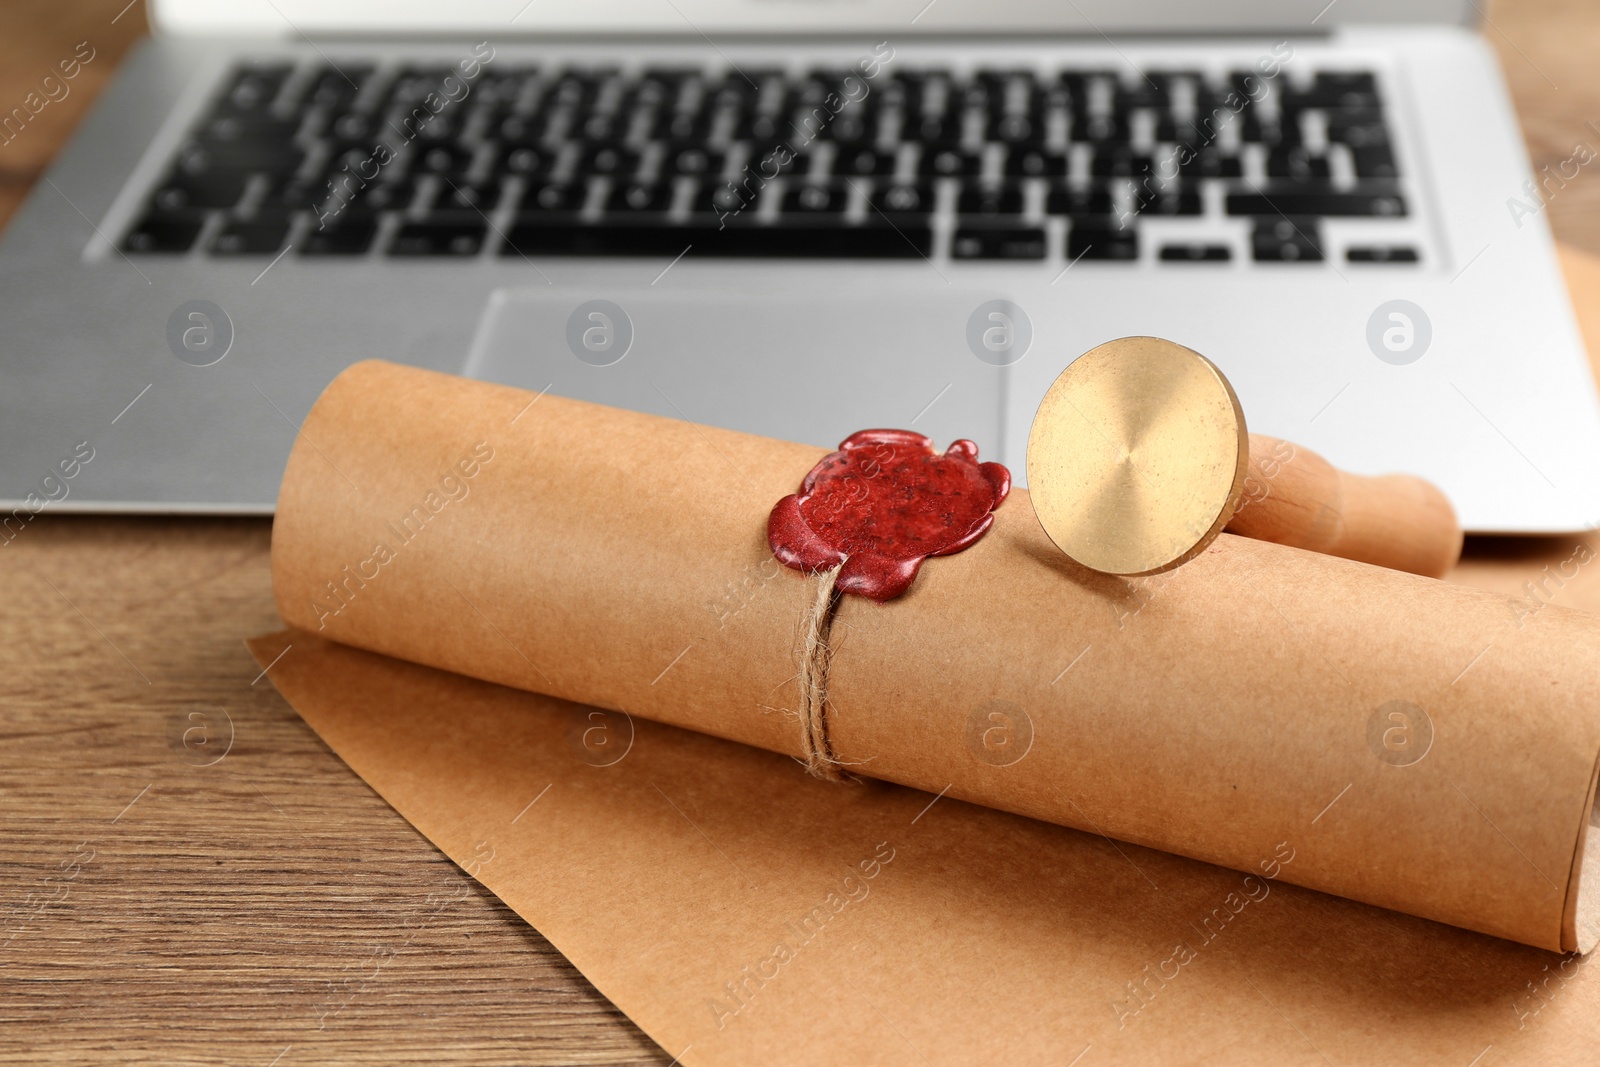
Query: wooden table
{"points": [[188, 875]]}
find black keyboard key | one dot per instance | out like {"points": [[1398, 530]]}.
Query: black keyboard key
{"points": [[501, 86], [1344, 118], [635, 197], [1171, 130], [527, 161], [251, 238], [253, 88], [1252, 86], [1017, 128], [1023, 162], [751, 242], [997, 242], [348, 234], [727, 202], [1195, 253], [883, 125], [1119, 161], [769, 161], [744, 84], [197, 158], [670, 83], [451, 160], [1064, 199], [813, 199], [996, 82], [1289, 131], [1207, 163], [1102, 129], [1376, 161], [602, 128], [608, 159], [605, 239], [342, 190], [1077, 82], [949, 163], [1336, 90], [295, 195], [863, 162], [431, 238], [1357, 131], [1256, 130], [424, 127], [517, 129], [577, 88], [934, 131], [1169, 201], [328, 208], [805, 96], [1152, 89], [261, 132], [457, 197], [164, 233], [388, 196], [1286, 241], [1146, 90], [1213, 113], [849, 127], [682, 125], [1296, 163], [667, 83], [1362, 81], [219, 189], [336, 89], [413, 84], [1140, 94], [692, 160], [1107, 241], [990, 198], [876, 241], [358, 161], [1277, 200], [1382, 254], [765, 128], [506, 82], [829, 79], [908, 88], [903, 202], [354, 130], [553, 198]]}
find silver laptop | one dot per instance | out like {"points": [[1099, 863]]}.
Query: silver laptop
{"points": [[796, 219]]}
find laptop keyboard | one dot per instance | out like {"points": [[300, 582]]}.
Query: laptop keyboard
{"points": [[991, 164]]}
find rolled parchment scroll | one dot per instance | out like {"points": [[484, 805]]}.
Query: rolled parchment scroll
{"points": [[1413, 744]]}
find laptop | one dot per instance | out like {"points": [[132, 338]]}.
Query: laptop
{"points": [[795, 219]]}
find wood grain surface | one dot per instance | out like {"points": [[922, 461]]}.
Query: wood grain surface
{"points": [[189, 876]]}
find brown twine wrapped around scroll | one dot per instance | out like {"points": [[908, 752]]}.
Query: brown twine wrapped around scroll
{"points": [[815, 654], [864, 520]]}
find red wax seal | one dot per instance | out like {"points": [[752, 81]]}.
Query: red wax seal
{"points": [[881, 505]]}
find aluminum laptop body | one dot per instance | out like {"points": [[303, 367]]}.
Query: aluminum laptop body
{"points": [[798, 219]]}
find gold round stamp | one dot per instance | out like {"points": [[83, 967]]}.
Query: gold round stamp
{"points": [[1137, 456]]}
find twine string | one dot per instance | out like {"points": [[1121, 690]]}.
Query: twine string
{"points": [[815, 656]]}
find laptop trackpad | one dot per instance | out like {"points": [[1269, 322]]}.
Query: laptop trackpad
{"points": [[798, 366]]}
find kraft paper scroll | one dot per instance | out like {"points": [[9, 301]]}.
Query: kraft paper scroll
{"points": [[1440, 742]]}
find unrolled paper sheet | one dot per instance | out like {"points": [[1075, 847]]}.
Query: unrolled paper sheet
{"points": [[743, 913]]}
